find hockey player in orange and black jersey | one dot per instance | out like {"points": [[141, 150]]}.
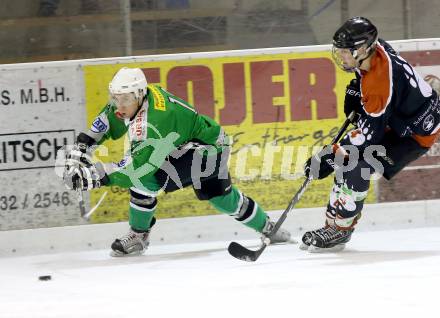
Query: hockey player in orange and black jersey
{"points": [[395, 109]]}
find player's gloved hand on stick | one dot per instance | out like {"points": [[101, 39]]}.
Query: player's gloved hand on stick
{"points": [[85, 178], [352, 101], [320, 165], [78, 155]]}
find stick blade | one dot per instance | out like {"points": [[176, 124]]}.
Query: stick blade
{"points": [[242, 253]]}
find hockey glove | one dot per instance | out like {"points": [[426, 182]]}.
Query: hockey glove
{"points": [[322, 164], [77, 155], [352, 100], [86, 178], [80, 154]]}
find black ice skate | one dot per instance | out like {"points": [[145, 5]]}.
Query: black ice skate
{"points": [[132, 244], [326, 239]]}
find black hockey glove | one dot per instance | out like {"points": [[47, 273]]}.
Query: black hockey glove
{"points": [[84, 177], [352, 100], [320, 165], [325, 161]]}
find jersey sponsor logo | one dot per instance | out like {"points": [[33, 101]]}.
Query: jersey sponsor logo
{"points": [[428, 123], [159, 100], [98, 126], [423, 116], [122, 163], [138, 128]]}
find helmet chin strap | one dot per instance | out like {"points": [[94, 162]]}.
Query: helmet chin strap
{"points": [[360, 60], [140, 101]]}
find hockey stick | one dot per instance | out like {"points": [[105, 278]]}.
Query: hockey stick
{"points": [[242, 253], [82, 207], [87, 215]]}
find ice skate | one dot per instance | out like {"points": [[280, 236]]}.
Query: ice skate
{"points": [[326, 239], [281, 236], [132, 244]]}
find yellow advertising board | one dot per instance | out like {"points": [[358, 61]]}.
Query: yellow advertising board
{"points": [[276, 107]]}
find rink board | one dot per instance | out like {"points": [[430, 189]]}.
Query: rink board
{"points": [[291, 95], [382, 216]]}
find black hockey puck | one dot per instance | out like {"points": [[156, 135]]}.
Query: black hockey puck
{"points": [[45, 277]]}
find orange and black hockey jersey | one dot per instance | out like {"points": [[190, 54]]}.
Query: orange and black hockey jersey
{"points": [[394, 96]]}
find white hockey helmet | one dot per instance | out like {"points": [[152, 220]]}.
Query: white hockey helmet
{"points": [[129, 80]]}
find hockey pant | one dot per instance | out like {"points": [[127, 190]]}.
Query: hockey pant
{"points": [[215, 188], [349, 192]]}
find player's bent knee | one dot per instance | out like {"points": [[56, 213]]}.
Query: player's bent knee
{"points": [[213, 187]]}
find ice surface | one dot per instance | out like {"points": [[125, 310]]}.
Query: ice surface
{"points": [[382, 273]]}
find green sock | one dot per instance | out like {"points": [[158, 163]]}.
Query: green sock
{"points": [[140, 220], [229, 204], [258, 221]]}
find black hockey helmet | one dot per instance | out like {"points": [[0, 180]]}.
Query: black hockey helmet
{"points": [[355, 33]]}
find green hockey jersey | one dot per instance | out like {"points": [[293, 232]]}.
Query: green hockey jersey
{"points": [[163, 123]]}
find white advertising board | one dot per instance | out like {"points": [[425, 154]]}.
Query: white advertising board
{"points": [[41, 110]]}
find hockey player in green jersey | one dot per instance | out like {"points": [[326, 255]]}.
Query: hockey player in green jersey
{"points": [[171, 146]]}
